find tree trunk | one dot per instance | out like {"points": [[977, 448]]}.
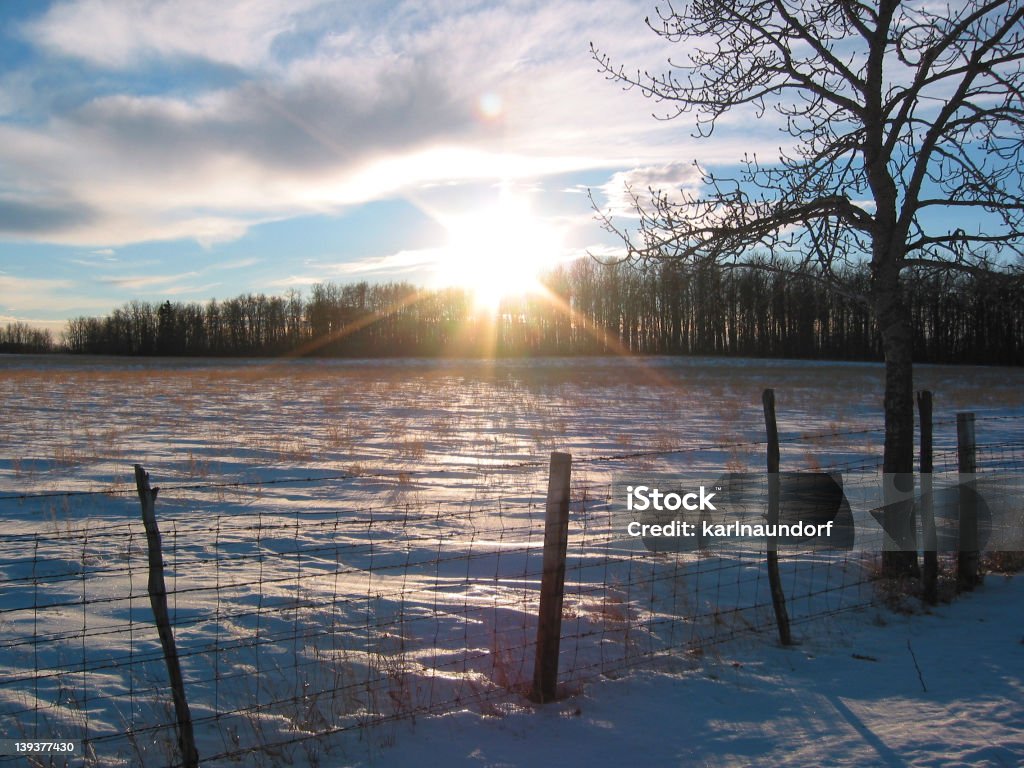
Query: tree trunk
{"points": [[899, 557]]}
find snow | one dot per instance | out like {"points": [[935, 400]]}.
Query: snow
{"points": [[352, 545], [848, 696]]}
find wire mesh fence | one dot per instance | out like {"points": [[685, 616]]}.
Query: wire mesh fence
{"points": [[309, 606]]}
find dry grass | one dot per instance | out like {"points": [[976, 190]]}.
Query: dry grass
{"points": [[508, 669], [1006, 563], [906, 595]]}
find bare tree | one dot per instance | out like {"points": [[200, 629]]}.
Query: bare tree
{"points": [[901, 118]]}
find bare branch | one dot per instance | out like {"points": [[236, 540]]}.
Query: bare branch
{"points": [[891, 104]]}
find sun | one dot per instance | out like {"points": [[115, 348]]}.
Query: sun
{"points": [[497, 252]]}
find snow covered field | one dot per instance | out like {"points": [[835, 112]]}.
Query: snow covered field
{"points": [[352, 546]]}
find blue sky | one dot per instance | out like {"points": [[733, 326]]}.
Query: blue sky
{"points": [[190, 150]]}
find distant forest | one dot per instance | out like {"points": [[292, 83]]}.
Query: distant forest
{"points": [[657, 309], [22, 337]]}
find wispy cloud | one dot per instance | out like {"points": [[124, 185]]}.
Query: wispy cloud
{"points": [[236, 264], [11, 285], [140, 282], [101, 258], [54, 326], [19, 295], [189, 289], [402, 261], [420, 262], [181, 283], [626, 190]]}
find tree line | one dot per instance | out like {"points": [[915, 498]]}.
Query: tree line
{"points": [[587, 308], [21, 337]]}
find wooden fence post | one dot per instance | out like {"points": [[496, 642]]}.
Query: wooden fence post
{"points": [[552, 588], [158, 600], [774, 580], [930, 574], [967, 547]]}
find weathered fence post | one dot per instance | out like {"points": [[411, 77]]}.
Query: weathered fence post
{"points": [[774, 581], [552, 588], [967, 548], [930, 575], [158, 600]]}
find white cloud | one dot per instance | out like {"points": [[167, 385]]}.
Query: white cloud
{"points": [[123, 33], [626, 189], [603, 252]]}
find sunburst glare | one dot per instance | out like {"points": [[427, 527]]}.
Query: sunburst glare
{"points": [[497, 251]]}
